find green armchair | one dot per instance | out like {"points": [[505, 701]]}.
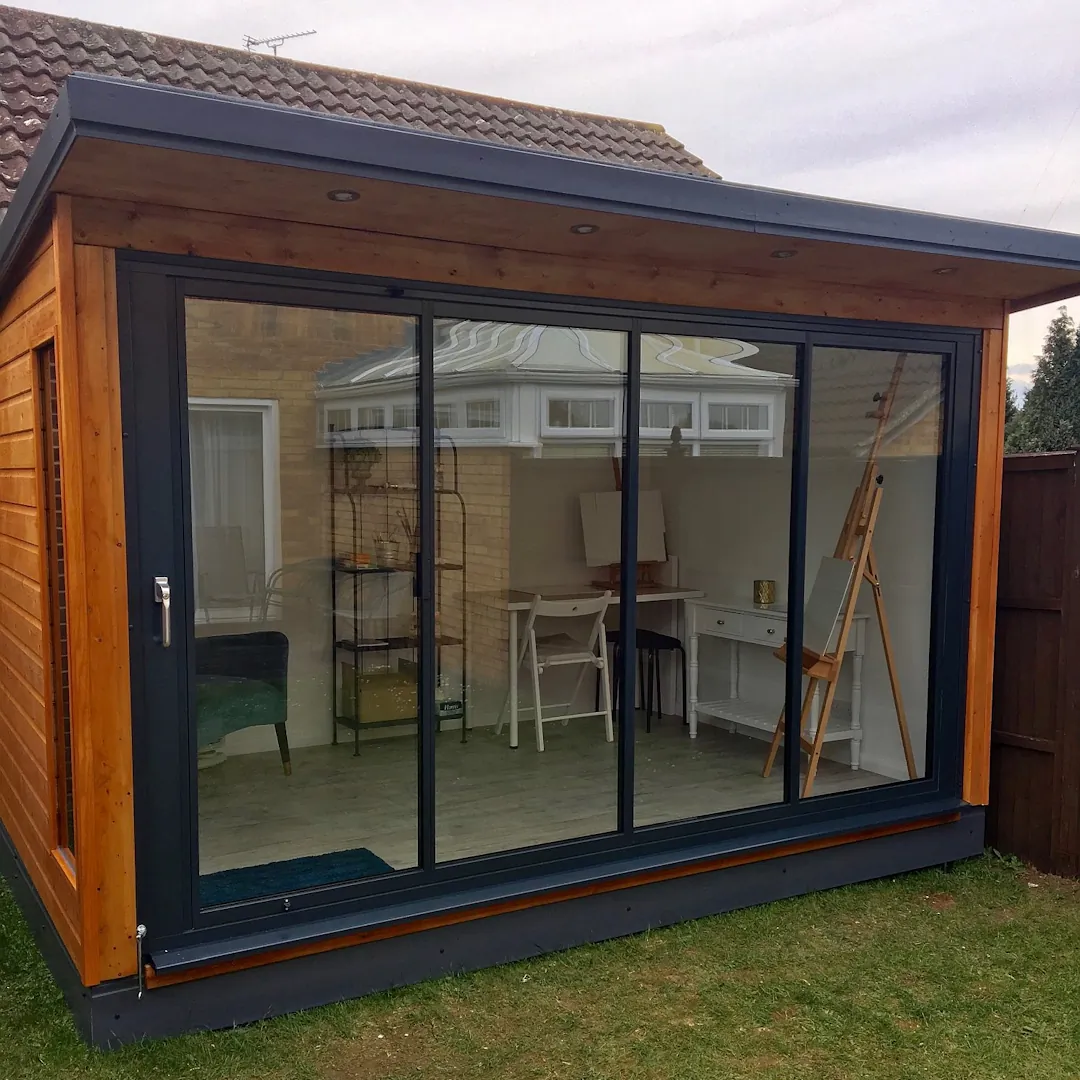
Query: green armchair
{"points": [[241, 681]]}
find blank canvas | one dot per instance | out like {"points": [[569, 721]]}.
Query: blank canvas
{"points": [[827, 599], [601, 523]]}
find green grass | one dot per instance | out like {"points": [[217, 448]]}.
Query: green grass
{"points": [[973, 973]]}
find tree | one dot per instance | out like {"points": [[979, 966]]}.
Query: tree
{"points": [[1013, 422], [1050, 417]]}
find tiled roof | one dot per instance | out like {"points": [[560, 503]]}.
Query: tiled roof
{"points": [[38, 51]]}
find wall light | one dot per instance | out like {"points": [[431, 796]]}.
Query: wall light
{"points": [[343, 195], [584, 229]]}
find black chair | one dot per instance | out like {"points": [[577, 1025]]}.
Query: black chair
{"points": [[241, 681], [650, 645]]}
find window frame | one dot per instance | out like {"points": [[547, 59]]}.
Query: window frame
{"points": [[268, 411], [549, 394]]}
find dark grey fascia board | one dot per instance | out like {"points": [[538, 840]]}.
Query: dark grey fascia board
{"points": [[124, 110], [33, 189]]}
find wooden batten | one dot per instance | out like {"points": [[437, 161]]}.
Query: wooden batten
{"points": [[176, 231], [101, 695], [984, 568]]}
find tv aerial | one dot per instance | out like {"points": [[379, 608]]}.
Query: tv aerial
{"points": [[274, 43]]}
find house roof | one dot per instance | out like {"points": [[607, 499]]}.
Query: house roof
{"points": [[39, 51]]}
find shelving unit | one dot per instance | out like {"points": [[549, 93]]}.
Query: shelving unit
{"points": [[372, 503]]}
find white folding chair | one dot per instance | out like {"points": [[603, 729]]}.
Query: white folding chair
{"points": [[548, 651]]}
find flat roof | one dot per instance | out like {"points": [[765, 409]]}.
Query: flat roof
{"points": [[125, 111]]}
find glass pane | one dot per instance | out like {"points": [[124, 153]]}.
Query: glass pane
{"points": [[713, 545], [510, 527], [304, 622], [874, 414], [559, 412]]}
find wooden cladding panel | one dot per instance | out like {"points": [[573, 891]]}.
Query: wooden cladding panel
{"points": [[176, 231], [28, 320], [984, 564], [98, 643]]}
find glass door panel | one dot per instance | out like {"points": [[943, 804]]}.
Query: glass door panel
{"points": [[876, 426], [303, 506], [528, 455], [716, 441]]}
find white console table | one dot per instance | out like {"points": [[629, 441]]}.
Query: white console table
{"points": [[744, 625]]}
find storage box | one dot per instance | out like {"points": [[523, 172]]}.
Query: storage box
{"points": [[385, 695]]}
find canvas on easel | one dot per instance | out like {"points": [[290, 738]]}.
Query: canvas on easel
{"points": [[826, 626]]}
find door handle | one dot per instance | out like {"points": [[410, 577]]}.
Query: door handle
{"points": [[163, 596]]}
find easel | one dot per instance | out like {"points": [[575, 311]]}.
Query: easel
{"points": [[854, 545]]}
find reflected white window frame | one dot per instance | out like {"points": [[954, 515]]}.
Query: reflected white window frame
{"points": [[664, 397], [770, 439], [267, 410], [571, 393]]}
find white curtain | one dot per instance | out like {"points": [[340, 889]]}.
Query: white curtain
{"points": [[226, 450]]}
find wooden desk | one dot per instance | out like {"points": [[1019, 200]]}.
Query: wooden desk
{"points": [[517, 600]]}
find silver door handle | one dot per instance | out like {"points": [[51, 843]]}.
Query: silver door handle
{"points": [[163, 596]]}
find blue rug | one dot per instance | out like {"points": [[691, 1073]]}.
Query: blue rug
{"points": [[289, 876]]}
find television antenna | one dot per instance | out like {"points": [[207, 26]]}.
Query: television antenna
{"points": [[274, 43]]}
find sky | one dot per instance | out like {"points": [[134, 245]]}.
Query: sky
{"points": [[966, 107]]}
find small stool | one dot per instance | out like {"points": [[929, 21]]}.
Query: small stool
{"points": [[650, 644]]}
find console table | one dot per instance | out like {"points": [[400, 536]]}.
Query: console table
{"points": [[744, 624]]}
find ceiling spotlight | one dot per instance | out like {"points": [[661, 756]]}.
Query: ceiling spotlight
{"points": [[584, 229], [343, 195], [784, 253], [945, 270]]}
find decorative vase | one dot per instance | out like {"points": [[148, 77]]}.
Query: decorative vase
{"points": [[764, 592], [386, 553]]}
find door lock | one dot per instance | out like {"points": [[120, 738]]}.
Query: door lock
{"points": [[163, 596]]}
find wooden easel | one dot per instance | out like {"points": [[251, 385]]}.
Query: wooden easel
{"points": [[855, 545]]}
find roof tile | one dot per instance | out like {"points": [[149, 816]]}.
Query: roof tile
{"points": [[38, 51]]}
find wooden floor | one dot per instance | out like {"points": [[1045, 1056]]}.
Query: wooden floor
{"points": [[488, 797]]}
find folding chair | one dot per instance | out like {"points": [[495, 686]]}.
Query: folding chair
{"points": [[546, 652]]}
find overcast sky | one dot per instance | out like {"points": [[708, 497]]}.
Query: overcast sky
{"points": [[967, 107]]}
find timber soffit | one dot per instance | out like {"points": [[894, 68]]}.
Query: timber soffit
{"points": [[138, 113]]}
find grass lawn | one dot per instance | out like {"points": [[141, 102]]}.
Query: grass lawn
{"points": [[973, 973]]}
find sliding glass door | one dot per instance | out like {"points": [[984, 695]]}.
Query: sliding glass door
{"points": [[426, 594]]}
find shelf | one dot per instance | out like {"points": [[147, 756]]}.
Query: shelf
{"points": [[762, 717], [390, 489], [396, 642], [401, 568]]}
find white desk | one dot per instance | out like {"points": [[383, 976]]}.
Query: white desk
{"points": [[518, 600], [744, 624]]}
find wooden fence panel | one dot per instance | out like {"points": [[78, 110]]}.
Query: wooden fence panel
{"points": [[1035, 758]]}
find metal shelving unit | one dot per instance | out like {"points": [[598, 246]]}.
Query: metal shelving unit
{"points": [[367, 498]]}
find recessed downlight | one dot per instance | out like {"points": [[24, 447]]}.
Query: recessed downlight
{"points": [[343, 195], [783, 253], [945, 270], [586, 228]]}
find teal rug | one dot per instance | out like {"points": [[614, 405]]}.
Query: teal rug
{"points": [[289, 876]]}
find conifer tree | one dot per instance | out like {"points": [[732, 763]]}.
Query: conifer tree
{"points": [[1050, 417]]}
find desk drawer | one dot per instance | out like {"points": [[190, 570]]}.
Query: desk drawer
{"points": [[764, 629], [720, 623]]}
